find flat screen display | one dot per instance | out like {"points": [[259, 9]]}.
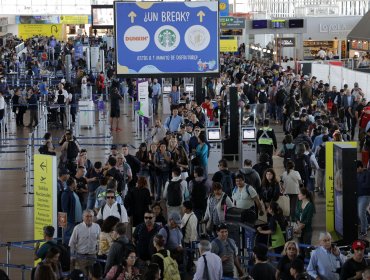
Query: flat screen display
{"points": [[167, 88], [249, 134], [296, 23], [214, 134], [259, 24], [189, 88], [277, 23], [102, 16]]}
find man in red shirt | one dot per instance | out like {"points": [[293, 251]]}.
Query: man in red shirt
{"points": [[208, 105]]}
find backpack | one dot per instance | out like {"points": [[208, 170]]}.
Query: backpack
{"points": [[302, 164], [321, 157], [45, 151], [288, 154], [174, 195], [262, 97], [72, 150], [170, 267], [118, 207], [280, 97], [226, 182], [199, 194]]}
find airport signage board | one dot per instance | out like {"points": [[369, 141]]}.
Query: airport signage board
{"points": [[167, 38]]}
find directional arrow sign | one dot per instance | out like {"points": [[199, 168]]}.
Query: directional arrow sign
{"points": [[43, 165], [201, 14], [42, 179], [132, 15]]}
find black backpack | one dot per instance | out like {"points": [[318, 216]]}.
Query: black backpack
{"points": [[321, 157], [280, 97], [72, 150], [226, 182], [262, 97], [174, 194], [199, 194], [301, 164], [288, 154], [45, 151]]}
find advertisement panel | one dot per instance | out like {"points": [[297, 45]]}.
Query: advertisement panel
{"points": [[45, 193], [102, 16], [329, 185], [229, 45], [223, 6], [167, 38], [83, 19], [26, 31], [143, 90], [232, 23]]}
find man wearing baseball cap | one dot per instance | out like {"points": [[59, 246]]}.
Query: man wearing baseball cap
{"points": [[353, 267]]}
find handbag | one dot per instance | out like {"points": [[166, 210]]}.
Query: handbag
{"points": [[289, 233], [195, 161], [284, 203]]}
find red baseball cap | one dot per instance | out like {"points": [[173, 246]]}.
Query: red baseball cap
{"points": [[358, 244]]}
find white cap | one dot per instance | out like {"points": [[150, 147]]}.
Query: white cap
{"points": [[63, 81]]}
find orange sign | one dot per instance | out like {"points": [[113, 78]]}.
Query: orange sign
{"points": [[62, 219]]}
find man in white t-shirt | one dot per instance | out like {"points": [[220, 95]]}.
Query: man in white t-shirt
{"points": [[245, 196], [321, 54]]}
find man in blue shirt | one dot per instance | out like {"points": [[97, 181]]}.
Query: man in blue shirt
{"points": [[326, 260], [155, 95], [174, 121], [174, 96]]}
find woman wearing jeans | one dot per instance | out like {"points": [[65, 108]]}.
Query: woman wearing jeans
{"points": [[162, 162]]}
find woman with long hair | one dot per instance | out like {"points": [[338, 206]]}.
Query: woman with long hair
{"points": [[270, 187], [216, 203], [143, 157], [290, 182], [125, 271], [158, 214], [106, 236], [52, 260], [304, 214], [182, 161], [162, 161], [290, 253], [138, 200], [202, 152], [276, 226], [152, 169]]}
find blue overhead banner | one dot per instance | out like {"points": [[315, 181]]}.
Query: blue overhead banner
{"points": [[223, 6], [167, 38]]}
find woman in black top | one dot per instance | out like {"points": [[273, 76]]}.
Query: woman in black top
{"points": [[143, 156], [157, 211], [290, 253], [270, 187]]}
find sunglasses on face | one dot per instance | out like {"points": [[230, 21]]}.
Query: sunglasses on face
{"points": [[110, 197], [148, 218]]}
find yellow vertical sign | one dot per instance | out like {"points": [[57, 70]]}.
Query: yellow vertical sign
{"points": [[329, 185], [45, 193]]}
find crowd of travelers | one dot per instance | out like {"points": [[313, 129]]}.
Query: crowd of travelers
{"points": [[157, 214]]}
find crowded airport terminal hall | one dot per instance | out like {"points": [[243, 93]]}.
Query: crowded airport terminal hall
{"points": [[184, 139]]}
